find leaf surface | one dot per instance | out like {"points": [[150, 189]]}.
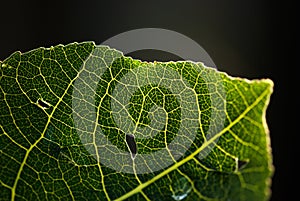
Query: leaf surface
{"points": [[84, 122]]}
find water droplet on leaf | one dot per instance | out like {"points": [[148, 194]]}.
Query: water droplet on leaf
{"points": [[181, 188], [54, 148]]}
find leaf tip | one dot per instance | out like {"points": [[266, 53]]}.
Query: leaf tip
{"points": [[268, 81]]}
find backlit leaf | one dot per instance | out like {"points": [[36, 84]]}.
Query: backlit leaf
{"points": [[84, 122]]}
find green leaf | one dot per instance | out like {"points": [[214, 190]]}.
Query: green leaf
{"points": [[84, 122]]}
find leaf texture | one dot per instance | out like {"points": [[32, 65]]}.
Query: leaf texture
{"points": [[84, 122]]}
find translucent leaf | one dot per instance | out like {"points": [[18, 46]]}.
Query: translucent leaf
{"points": [[84, 122]]}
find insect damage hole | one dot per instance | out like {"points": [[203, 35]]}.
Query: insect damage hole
{"points": [[241, 164], [131, 144], [43, 104]]}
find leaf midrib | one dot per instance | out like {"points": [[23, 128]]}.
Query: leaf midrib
{"points": [[191, 156]]}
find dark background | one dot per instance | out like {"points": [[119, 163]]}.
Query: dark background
{"points": [[251, 39]]}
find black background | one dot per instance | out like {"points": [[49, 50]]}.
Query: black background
{"points": [[251, 39]]}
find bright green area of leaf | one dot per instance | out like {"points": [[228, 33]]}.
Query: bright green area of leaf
{"points": [[44, 156]]}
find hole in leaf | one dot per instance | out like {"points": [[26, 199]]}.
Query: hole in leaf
{"points": [[131, 145], [241, 164], [43, 104]]}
